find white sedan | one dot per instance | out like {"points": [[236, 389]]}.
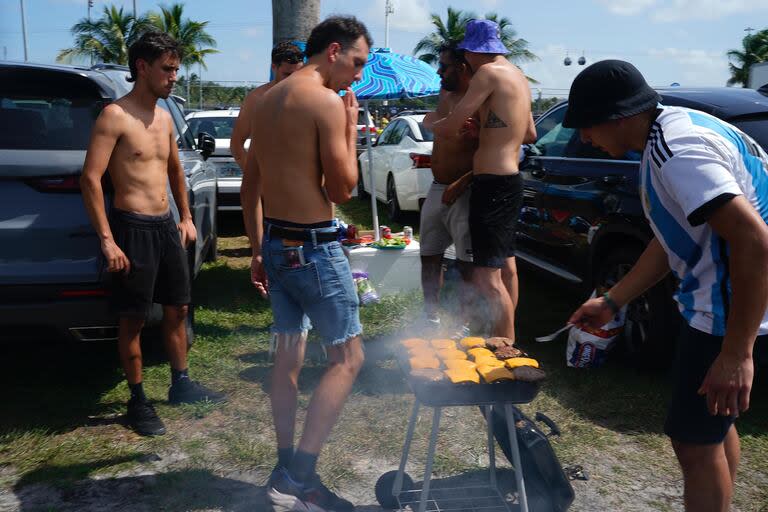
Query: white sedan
{"points": [[402, 171]]}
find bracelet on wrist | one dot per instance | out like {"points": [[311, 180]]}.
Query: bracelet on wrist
{"points": [[612, 305]]}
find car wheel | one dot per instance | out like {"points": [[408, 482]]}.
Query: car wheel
{"points": [[393, 207], [361, 193], [652, 319]]}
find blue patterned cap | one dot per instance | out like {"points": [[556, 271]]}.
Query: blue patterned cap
{"points": [[483, 36]]}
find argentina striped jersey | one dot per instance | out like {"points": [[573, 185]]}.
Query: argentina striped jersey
{"points": [[692, 164]]}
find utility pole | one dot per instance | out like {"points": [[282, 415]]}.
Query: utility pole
{"points": [[24, 31], [200, 69], [134, 9], [90, 4], [388, 9]]}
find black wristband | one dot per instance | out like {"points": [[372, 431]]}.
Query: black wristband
{"points": [[615, 309]]}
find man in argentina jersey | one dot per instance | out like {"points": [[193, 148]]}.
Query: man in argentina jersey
{"points": [[704, 188]]}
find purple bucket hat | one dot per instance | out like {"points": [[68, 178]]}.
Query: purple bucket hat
{"points": [[483, 36]]}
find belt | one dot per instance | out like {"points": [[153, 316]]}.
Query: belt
{"points": [[303, 235]]}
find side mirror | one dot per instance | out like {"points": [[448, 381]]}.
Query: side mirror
{"points": [[206, 144]]}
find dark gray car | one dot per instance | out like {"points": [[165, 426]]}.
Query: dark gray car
{"points": [[53, 279]]}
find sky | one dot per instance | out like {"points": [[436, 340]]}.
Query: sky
{"points": [[683, 41]]}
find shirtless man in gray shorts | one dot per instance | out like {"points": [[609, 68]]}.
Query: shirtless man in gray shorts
{"points": [[499, 91], [445, 213]]}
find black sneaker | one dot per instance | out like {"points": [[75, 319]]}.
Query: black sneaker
{"points": [[186, 391], [143, 419], [317, 493]]}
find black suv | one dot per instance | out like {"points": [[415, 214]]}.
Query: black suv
{"points": [[53, 279], [582, 218]]}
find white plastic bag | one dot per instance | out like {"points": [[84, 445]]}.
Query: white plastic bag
{"points": [[588, 347]]}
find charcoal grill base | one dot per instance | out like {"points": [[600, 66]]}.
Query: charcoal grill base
{"points": [[475, 498]]}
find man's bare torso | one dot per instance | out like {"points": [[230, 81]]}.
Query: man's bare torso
{"points": [[285, 140], [138, 166], [452, 157], [504, 119]]}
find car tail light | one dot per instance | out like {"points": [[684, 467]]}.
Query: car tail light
{"points": [[372, 129], [68, 294], [56, 184], [421, 161]]}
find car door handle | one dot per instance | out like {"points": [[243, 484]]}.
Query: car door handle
{"points": [[538, 173], [614, 179]]}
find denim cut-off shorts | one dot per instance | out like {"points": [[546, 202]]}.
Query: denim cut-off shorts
{"points": [[317, 293]]}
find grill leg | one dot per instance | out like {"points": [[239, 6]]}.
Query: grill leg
{"points": [[430, 459], [510, 415], [397, 487], [491, 445]]}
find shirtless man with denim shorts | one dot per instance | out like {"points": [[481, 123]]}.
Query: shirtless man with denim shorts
{"points": [[302, 160]]}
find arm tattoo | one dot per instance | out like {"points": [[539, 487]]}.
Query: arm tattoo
{"points": [[494, 121]]}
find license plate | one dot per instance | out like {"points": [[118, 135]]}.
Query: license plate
{"points": [[229, 170]]}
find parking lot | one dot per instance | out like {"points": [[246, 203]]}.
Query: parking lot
{"points": [[63, 446]]}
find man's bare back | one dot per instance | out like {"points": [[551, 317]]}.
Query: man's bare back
{"points": [[138, 166], [505, 118], [244, 123], [286, 143], [452, 155]]}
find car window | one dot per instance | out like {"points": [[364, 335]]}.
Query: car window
{"points": [[217, 127], [426, 135], [187, 140], [551, 136], [554, 140], [397, 135], [386, 135], [43, 114], [362, 119]]}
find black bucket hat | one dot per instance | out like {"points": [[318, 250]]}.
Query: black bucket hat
{"points": [[609, 89]]}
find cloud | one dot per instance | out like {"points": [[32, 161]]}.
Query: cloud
{"points": [[690, 66], [254, 31], [245, 55], [627, 7], [682, 10], [409, 15]]}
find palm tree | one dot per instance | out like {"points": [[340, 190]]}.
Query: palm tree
{"points": [[754, 50], [106, 39], [191, 36], [293, 20], [453, 30]]}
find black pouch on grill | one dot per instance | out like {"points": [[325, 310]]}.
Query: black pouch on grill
{"points": [[547, 487]]}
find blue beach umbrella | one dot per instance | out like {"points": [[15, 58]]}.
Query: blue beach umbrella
{"points": [[393, 76], [390, 76]]}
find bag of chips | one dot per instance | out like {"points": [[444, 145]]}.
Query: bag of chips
{"points": [[588, 347]]}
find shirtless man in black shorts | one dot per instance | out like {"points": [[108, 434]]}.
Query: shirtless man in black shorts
{"points": [[133, 139], [499, 91]]}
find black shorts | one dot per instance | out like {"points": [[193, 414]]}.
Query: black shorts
{"points": [[688, 419], [494, 208], [159, 268]]}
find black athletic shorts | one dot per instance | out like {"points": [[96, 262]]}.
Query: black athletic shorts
{"points": [[159, 269], [688, 419], [494, 208]]}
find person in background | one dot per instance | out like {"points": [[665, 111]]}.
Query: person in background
{"points": [[499, 92], [445, 212]]}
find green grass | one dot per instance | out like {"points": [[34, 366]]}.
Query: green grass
{"points": [[60, 422]]}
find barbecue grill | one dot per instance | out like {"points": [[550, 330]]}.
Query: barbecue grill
{"points": [[396, 490]]}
